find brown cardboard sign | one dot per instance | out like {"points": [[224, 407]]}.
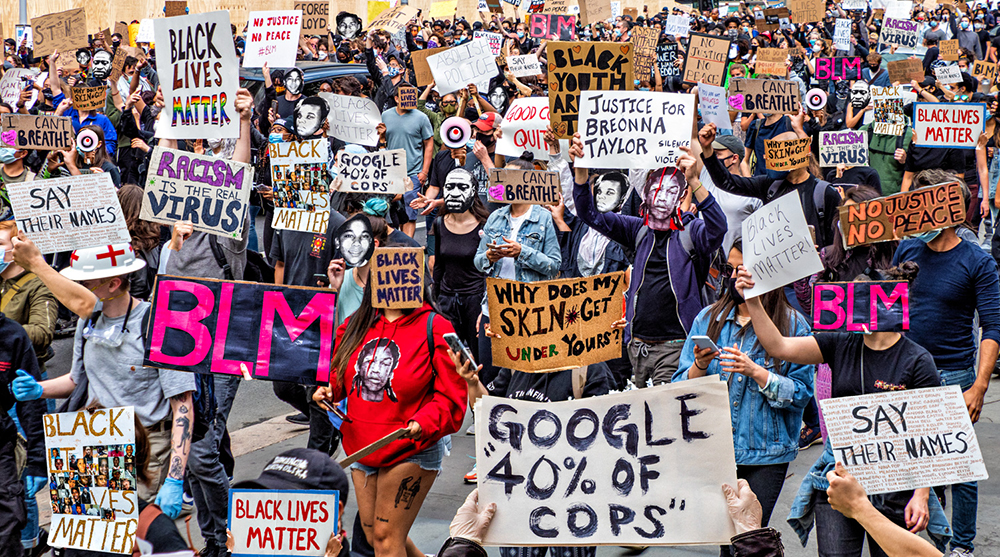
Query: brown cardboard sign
{"points": [[512, 185], [787, 155], [63, 31], [408, 97], [983, 70], [948, 50], [644, 40], [89, 98], [631, 12], [555, 324], [806, 11], [122, 29], [905, 71], [420, 67], [593, 11], [175, 7], [879, 13], [903, 214], [705, 61], [315, 17], [26, 131], [775, 96], [584, 66], [771, 21], [397, 277], [393, 20], [772, 61], [118, 64]]}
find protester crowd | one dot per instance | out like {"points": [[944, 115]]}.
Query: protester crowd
{"points": [[605, 221]]}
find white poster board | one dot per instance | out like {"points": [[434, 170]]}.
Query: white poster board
{"points": [[524, 65], [848, 147], [948, 74], [842, 34], [91, 459], [381, 172], [145, 33], [524, 127], [272, 37], [300, 184], [777, 246], [678, 25], [282, 522], [713, 106], [904, 440], [948, 124], [196, 51], [634, 129], [495, 40], [457, 67], [620, 469], [353, 119], [13, 82], [65, 214]]}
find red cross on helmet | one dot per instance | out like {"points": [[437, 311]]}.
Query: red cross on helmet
{"points": [[102, 262]]}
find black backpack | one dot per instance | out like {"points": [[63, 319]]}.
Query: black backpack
{"points": [[819, 201], [255, 270]]}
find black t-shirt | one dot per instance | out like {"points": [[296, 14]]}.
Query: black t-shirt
{"points": [[305, 254], [549, 387], [904, 365], [856, 175], [657, 318], [398, 237], [454, 270]]}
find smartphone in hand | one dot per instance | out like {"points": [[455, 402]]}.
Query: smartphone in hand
{"points": [[703, 342], [459, 347]]}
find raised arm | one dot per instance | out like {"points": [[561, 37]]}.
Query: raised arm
{"points": [[799, 350]]}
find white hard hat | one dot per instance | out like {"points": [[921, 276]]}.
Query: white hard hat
{"points": [[102, 262]]}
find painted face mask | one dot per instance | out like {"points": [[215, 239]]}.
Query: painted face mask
{"points": [[459, 191], [662, 196], [860, 95]]}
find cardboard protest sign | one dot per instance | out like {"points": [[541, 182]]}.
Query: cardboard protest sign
{"points": [[586, 66], [645, 481], [282, 522], [948, 50], [786, 155], [677, 25], [778, 248], [706, 59], [840, 67], [524, 128], [457, 67], [118, 63], [525, 65], [200, 96], [776, 96], [421, 70], [495, 40], [772, 61], [983, 71], [855, 4], [145, 33], [408, 97], [713, 106], [861, 307], [353, 119], [315, 16], [314, 221], [16, 80], [948, 74], [888, 117], [552, 27], [92, 479], [842, 34], [899, 32], [561, 7], [279, 333], [569, 326], [948, 124], [903, 214], [666, 60], [393, 20], [634, 129], [643, 41], [905, 71], [843, 147], [593, 11], [513, 185], [212, 193], [65, 214], [904, 440], [806, 11], [272, 37], [769, 20], [298, 168], [89, 98], [63, 31], [382, 172], [26, 131], [397, 278]]}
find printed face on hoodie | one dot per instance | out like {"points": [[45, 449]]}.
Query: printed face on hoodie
{"points": [[376, 363]]}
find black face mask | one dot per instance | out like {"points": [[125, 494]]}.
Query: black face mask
{"points": [[487, 139], [729, 285]]}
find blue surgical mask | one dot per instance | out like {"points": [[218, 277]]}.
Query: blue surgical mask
{"points": [[520, 34], [965, 25], [7, 155], [275, 138], [929, 236], [3, 264], [777, 174]]}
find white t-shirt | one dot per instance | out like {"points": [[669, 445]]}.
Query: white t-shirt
{"points": [[507, 263]]}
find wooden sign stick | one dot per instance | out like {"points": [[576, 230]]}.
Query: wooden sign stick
{"points": [[373, 447]]}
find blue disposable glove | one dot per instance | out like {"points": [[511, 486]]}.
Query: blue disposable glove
{"points": [[25, 387], [33, 484], [170, 497]]}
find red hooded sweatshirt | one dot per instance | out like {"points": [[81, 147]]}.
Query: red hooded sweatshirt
{"points": [[390, 380]]}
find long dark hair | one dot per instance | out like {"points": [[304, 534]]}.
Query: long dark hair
{"points": [[843, 264], [145, 234], [101, 153], [775, 305]]}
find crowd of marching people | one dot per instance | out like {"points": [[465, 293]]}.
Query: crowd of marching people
{"points": [[675, 231]]}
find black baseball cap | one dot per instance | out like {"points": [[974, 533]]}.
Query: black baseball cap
{"points": [[303, 469]]}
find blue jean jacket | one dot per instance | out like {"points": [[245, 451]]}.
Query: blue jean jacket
{"points": [[765, 422], [803, 513], [540, 256]]}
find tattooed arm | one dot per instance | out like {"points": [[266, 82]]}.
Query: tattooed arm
{"points": [[182, 414]]}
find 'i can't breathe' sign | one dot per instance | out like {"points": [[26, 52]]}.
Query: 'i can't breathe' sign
{"points": [[199, 76]]}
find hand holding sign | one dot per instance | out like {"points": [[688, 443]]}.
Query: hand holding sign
{"points": [[744, 508]]}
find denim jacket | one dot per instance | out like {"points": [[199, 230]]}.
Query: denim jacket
{"points": [[765, 421], [540, 256]]}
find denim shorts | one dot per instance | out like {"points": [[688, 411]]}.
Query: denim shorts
{"points": [[428, 459]]}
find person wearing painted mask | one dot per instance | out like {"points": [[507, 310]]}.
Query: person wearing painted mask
{"points": [[957, 281], [107, 353], [762, 186], [664, 271]]}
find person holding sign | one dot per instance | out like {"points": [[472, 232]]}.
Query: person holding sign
{"points": [[859, 364], [393, 368], [766, 416]]}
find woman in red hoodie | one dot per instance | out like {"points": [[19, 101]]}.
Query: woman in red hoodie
{"points": [[393, 367]]}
